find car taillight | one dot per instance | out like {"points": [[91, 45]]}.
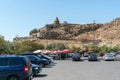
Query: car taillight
{"points": [[26, 68]]}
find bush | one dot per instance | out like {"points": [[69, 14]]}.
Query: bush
{"points": [[75, 49], [99, 49]]}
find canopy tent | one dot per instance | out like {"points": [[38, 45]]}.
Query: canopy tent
{"points": [[66, 51], [46, 51], [57, 51], [37, 51]]}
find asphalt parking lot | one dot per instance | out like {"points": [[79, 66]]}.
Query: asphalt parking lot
{"points": [[82, 70]]}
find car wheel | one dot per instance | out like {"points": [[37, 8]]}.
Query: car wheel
{"points": [[13, 78]]}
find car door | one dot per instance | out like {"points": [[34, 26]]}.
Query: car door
{"points": [[15, 66], [4, 69]]}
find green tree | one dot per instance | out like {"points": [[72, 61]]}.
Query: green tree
{"points": [[17, 38], [4, 48], [26, 46], [33, 31], [96, 49]]}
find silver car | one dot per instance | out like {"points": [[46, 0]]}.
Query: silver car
{"points": [[117, 57], [109, 57]]}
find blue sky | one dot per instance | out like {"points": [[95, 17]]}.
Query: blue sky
{"points": [[19, 17]]}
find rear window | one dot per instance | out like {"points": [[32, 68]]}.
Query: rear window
{"points": [[27, 61], [3, 61]]}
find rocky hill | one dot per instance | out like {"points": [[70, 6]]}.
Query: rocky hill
{"points": [[97, 34]]}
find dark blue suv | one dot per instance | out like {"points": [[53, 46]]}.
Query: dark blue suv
{"points": [[39, 55], [36, 60], [15, 68]]}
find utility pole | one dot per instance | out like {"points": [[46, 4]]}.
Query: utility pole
{"points": [[93, 42], [46, 37], [117, 24], [111, 34]]}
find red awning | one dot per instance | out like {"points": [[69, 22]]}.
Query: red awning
{"points": [[66, 50]]}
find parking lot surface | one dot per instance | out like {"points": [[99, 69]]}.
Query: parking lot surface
{"points": [[82, 70]]}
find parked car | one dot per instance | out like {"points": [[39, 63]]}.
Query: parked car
{"points": [[15, 68], [36, 60], [86, 54], [76, 57], [55, 56], [41, 56], [113, 53], [108, 57], [117, 57], [36, 69], [50, 59], [92, 57], [70, 55]]}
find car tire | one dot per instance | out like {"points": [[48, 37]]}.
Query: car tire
{"points": [[13, 78]]}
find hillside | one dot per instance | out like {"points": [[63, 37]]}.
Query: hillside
{"points": [[97, 34]]}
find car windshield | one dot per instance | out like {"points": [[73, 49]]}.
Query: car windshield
{"points": [[39, 55], [76, 55], [109, 55], [93, 55]]}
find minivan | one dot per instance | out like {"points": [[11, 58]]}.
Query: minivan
{"points": [[15, 68]]}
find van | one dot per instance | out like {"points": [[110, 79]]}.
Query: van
{"points": [[15, 68]]}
